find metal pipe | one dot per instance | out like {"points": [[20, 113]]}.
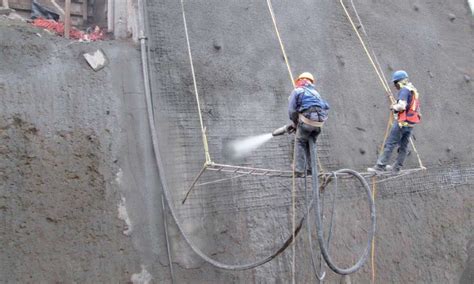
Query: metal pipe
{"points": [[146, 81], [110, 15], [143, 46], [84, 11], [67, 18]]}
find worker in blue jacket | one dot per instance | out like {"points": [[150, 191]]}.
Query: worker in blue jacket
{"points": [[308, 112]]}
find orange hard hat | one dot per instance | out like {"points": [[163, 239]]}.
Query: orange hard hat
{"points": [[306, 75]]}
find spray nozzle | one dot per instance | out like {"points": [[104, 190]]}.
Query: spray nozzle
{"points": [[284, 129]]}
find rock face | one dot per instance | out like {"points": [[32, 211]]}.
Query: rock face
{"points": [[80, 197]]}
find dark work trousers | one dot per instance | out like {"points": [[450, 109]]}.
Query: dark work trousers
{"points": [[398, 136], [302, 155]]}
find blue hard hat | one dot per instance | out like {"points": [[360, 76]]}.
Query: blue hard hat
{"points": [[399, 75]]}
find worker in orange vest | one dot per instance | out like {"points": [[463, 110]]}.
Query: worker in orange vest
{"points": [[407, 113]]}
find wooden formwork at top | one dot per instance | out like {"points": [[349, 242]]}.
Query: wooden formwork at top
{"points": [[79, 11]]}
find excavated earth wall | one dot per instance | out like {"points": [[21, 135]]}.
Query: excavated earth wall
{"points": [[63, 144], [80, 197]]}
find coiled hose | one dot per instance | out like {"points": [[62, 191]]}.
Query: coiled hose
{"points": [[316, 196]]}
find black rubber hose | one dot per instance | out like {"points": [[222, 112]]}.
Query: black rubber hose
{"points": [[310, 239], [333, 211], [166, 191], [323, 246], [160, 166]]}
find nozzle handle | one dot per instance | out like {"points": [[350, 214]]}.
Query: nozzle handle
{"points": [[284, 129]]}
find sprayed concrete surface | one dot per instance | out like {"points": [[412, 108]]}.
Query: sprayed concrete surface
{"points": [[424, 220], [73, 163], [80, 198]]}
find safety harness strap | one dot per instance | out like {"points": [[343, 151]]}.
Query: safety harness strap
{"points": [[308, 121], [405, 124]]}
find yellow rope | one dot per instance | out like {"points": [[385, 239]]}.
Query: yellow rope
{"points": [[293, 217], [370, 46], [272, 14], [372, 248], [390, 121], [380, 76], [203, 129], [293, 190], [417, 155], [387, 89], [387, 131]]}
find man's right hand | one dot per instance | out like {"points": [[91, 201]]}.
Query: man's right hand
{"points": [[291, 128]]}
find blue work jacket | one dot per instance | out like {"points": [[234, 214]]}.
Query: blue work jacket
{"points": [[306, 98]]}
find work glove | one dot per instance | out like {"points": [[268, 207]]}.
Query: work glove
{"points": [[393, 108], [291, 128], [399, 106]]}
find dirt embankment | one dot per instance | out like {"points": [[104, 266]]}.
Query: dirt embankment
{"points": [[58, 221], [58, 159]]}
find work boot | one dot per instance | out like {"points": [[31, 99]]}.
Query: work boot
{"points": [[377, 169], [299, 174], [394, 169]]}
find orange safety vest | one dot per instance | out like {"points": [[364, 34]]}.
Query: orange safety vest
{"points": [[411, 114]]}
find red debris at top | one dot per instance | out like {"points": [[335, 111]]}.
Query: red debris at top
{"points": [[74, 33]]}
